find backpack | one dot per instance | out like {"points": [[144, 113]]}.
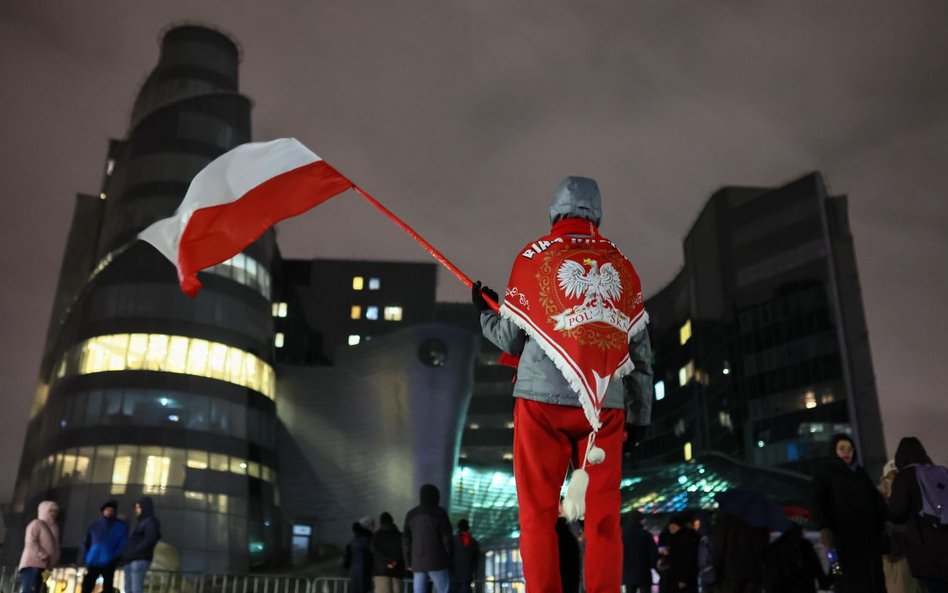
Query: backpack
{"points": [[933, 483]]}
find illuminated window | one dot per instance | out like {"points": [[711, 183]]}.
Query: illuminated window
{"points": [[372, 313], [688, 451], [219, 462], [279, 309], [393, 313], [197, 459], [374, 284], [355, 312], [170, 354], [354, 340], [120, 472], [507, 456], [684, 334], [278, 339], [686, 373], [809, 400], [358, 282], [245, 270], [474, 426], [156, 474], [660, 391]]}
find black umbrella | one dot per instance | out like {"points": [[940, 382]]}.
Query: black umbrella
{"points": [[753, 508]]}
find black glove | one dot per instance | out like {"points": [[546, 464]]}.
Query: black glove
{"points": [[477, 296], [634, 434]]}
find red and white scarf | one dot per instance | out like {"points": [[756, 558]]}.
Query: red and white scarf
{"points": [[581, 300]]}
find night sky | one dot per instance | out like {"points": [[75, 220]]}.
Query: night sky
{"points": [[463, 116]]}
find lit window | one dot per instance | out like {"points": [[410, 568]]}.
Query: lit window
{"points": [[156, 474], [809, 400], [358, 282], [393, 313], [508, 456], [247, 271], [684, 334], [354, 340], [278, 340], [355, 312], [279, 309], [688, 451], [686, 373], [372, 313], [474, 426], [109, 166], [170, 354], [197, 460], [660, 391], [374, 284], [120, 471]]}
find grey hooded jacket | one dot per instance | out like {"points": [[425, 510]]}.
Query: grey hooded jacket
{"points": [[537, 376]]}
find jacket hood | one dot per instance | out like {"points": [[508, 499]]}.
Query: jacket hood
{"points": [[577, 197], [430, 496], [45, 509], [148, 507], [910, 451], [835, 441]]}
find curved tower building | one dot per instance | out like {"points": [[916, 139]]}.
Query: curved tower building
{"points": [[144, 391]]}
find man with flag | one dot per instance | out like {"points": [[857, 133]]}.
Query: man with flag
{"points": [[574, 317]]}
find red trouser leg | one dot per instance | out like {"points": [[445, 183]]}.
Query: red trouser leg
{"points": [[546, 438], [603, 563], [541, 457]]}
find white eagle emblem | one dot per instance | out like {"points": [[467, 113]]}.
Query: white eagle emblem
{"points": [[598, 287]]}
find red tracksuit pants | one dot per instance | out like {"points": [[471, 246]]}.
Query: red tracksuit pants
{"points": [[547, 437]]}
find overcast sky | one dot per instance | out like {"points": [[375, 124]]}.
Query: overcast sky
{"points": [[462, 117]]}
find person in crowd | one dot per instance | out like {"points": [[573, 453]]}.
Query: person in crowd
{"points": [[851, 516], [427, 542], [665, 584], [738, 553], [927, 543], [895, 567], [102, 548], [358, 557], [388, 560], [577, 274], [683, 556], [707, 577], [570, 555], [639, 554], [467, 553], [140, 548], [40, 548], [791, 564]]}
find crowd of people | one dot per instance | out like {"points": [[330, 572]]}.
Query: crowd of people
{"points": [[381, 558], [107, 545], [878, 538]]}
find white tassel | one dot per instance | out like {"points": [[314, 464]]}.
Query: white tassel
{"points": [[574, 503], [595, 455]]}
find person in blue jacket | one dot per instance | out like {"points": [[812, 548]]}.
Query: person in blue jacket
{"points": [[141, 545], [102, 548]]}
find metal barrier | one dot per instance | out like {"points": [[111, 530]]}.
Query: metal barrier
{"points": [[68, 579]]}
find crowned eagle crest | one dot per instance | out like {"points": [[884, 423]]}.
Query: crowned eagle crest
{"points": [[598, 286]]}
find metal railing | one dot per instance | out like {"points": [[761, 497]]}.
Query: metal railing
{"points": [[68, 579]]}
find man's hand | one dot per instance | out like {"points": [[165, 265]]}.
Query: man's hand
{"points": [[477, 296]]}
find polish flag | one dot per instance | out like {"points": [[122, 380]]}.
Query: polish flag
{"points": [[236, 198]]}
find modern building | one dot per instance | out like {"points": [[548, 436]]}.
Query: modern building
{"points": [[760, 340], [142, 390]]}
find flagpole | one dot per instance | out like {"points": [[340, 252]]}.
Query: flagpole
{"points": [[428, 246]]}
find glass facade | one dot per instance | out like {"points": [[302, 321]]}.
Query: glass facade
{"points": [[168, 354]]}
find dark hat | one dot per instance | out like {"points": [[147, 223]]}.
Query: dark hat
{"points": [[107, 504], [463, 525]]}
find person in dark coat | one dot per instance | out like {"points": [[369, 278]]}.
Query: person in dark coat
{"points": [[570, 555], [927, 546], [737, 550], [467, 553], [791, 564], [140, 548], [358, 558], [851, 516], [427, 542], [102, 548], [388, 560], [683, 556], [639, 555]]}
